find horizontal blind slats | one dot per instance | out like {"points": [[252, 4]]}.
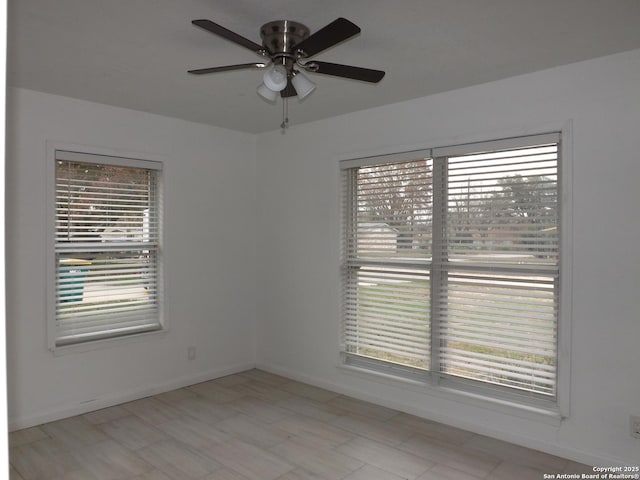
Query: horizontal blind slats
{"points": [[107, 233], [495, 310], [385, 317], [498, 207]]}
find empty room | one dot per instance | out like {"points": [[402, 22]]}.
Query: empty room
{"points": [[357, 240]]}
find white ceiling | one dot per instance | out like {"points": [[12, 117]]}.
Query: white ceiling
{"points": [[135, 53]]}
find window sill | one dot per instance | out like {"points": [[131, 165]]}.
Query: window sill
{"points": [[107, 343], [547, 415]]}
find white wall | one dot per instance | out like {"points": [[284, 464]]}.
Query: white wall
{"points": [[298, 251], [209, 212]]}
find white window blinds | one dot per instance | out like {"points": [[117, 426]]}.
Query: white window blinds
{"points": [[388, 216], [496, 303], [106, 247], [451, 264]]}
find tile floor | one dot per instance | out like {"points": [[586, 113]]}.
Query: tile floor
{"points": [[259, 426]]}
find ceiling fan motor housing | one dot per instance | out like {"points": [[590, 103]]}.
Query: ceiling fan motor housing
{"points": [[281, 36]]}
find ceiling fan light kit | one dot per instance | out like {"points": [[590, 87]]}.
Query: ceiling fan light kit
{"points": [[286, 48], [302, 84], [275, 78], [266, 93]]}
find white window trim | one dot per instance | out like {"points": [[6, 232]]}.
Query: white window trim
{"points": [[548, 415], [113, 157], [565, 315], [550, 412]]}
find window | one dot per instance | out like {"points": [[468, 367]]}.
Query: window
{"points": [[451, 266], [107, 248]]}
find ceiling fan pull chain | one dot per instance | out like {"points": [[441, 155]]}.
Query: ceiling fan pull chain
{"points": [[285, 115]]}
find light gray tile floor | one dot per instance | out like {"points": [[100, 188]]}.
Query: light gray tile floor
{"points": [[259, 426]]}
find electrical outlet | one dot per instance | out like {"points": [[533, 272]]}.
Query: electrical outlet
{"points": [[191, 353], [635, 426]]}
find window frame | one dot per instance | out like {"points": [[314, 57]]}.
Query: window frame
{"points": [[470, 389], [87, 154]]}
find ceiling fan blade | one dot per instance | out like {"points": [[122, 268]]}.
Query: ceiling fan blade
{"points": [[337, 31], [289, 90], [346, 71], [227, 34], [226, 68]]}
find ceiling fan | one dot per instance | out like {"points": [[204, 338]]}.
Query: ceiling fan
{"points": [[286, 49]]}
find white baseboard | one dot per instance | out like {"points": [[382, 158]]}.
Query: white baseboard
{"points": [[550, 448], [65, 411]]}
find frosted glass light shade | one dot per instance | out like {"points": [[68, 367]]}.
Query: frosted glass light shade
{"points": [[303, 85], [276, 78], [267, 93]]}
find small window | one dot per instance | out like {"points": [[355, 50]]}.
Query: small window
{"points": [[107, 248], [451, 266]]}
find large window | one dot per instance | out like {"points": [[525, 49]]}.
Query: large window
{"points": [[451, 265], [106, 248]]}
